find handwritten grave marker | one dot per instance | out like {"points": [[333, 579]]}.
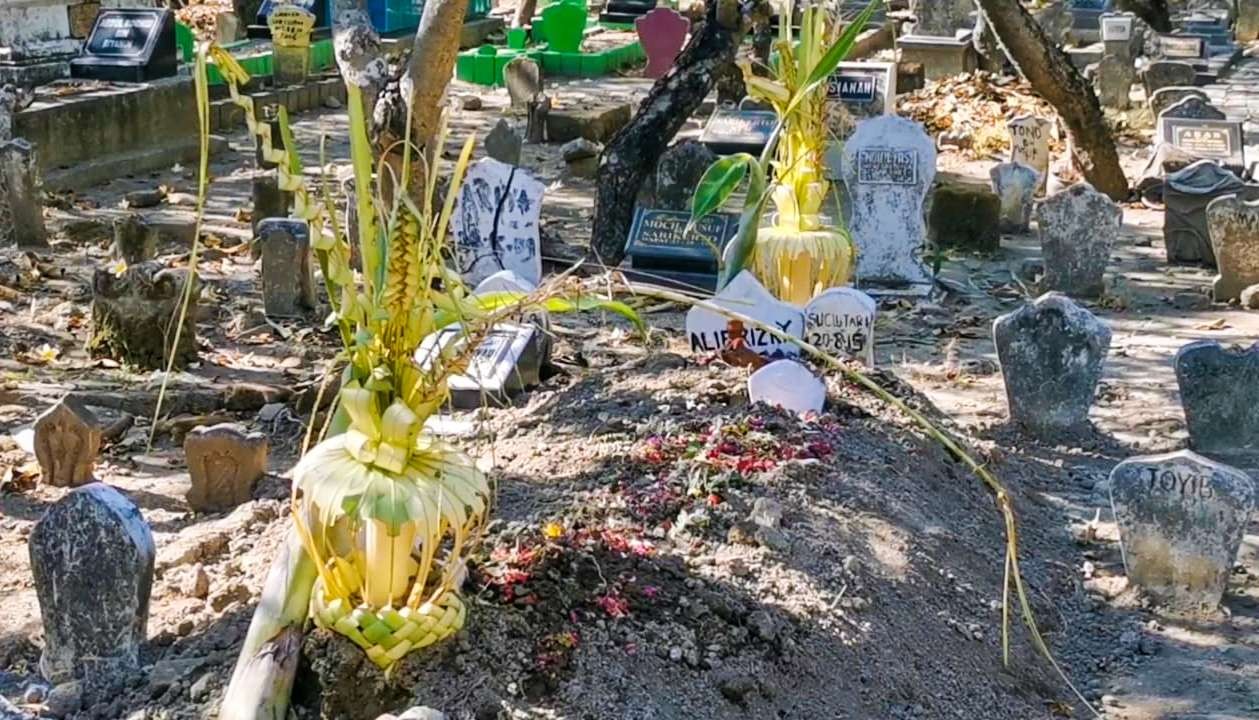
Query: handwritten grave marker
{"points": [[787, 384], [708, 331], [290, 35], [840, 321], [1029, 143], [496, 222]]}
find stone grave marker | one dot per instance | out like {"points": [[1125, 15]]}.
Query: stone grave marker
{"points": [[1029, 144], [523, 77], [1086, 19], [662, 33], [1078, 227], [565, 26], [1113, 81], [679, 171], [840, 321], [290, 35], [1219, 388], [92, 559], [506, 361], [1118, 34], [1182, 47], [1190, 107], [1211, 138], [1015, 184], [942, 18], [134, 313], [865, 89], [503, 143], [625, 12], [708, 331], [1186, 195], [129, 45], [288, 288], [730, 131], [787, 384], [67, 440], [1234, 226], [496, 222], [1246, 27], [1181, 521], [1164, 98], [135, 241], [888, 166], [21, 209], [1051, 353], [224, 462], [1167, 73], [660, 250]]}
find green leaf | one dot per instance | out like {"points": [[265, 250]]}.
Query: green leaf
{"points": [[562, 305], [741, 247], [286, 136], [834, 56], [720, 181]]}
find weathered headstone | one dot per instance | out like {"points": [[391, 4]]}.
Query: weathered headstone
{"points": [[1029, 144], [787, 384], [134, 315], [1247, 25], [290, 36], [135, 241], [1186, 195], [1190, 107], [1015, 184], [1113, 81], [506, 361], [1234, 227], [662, 33], [224, 462], [21, 209], [67, 439], [1164, 98], [1181, 520], [1167, 73], [865, 89], [678, 173], [709, 331], [523, 77], [942, 18], [888, 166], [731, 131], [840, 321], [1118, 33], [288, 288], [496, 222], [503, 143], [92, 558], [1077, 227], [1219, 388], [1051, 353]]}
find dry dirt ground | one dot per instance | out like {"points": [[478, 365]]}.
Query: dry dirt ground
{"points": [[668, 587]]}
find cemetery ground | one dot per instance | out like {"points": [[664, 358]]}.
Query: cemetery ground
{"points": [[660, 548]]}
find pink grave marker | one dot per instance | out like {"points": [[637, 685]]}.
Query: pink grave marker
{"points": [[663, 33]]}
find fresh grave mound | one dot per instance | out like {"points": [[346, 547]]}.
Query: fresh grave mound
{"points": [[664, 550]]}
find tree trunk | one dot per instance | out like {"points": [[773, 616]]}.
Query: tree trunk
{"points": [[1155, 13], [524, 13], [1055, 79], [633, 153]]}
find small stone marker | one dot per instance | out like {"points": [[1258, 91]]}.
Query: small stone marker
{"points": [[942, 18], [678, 173], [1051, 353], [503, 143], [1234, 227], [1164, 98], [21, 209], [523, 77], [1181, 521], [888, 166], [1113, 81], [67, 440], [866, 89], [496, 222], [1167, 73], [134, 240], [508, 360], [1186, 195], [224, 462], [92, 558], [290, 35], [288, 288], [1078, 227], [662, 33], [1029, 143], [841, 321], [134, 315], [1219, 388], [1192, 107], [787, 384], [709, 331], [1015, 184]]}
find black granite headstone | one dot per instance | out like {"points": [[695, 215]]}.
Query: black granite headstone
{"points": [[1204, 138], [129, 45], [260, 29], [660, 250], [625, 12], [734, 131]]}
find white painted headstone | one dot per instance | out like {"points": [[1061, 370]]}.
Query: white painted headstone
{"points": [[504, 281], [1117, 27], [496, 222], [1029, 143], [506, 360], [841, 320], [787, 384], [708, 331]]}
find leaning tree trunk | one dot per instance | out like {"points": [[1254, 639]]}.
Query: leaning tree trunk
{"points": [[524, 13], [1155, 13], [1055, 79], [633, 153]]}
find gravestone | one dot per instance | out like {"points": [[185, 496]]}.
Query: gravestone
{"points": [[1015, 184], [625, 12], [290, 36], [565, 24], [1086, 19], [840, 321], [260, 28], [1182, 47], [495, 223], [660, 250], [135, 241], [129, 45], [523, 77], [789, 385], [865, 89], [708, 331], [1186, 195], [1234, 227], [1215, 139], [1190, 107], [503, 143], [1167, 73], [288, 288], [1246, 28], [92, 560], [134, 315], [506, 361], [679, 171], [1113, 81], [662, 33], [1051, 353], [1219, 389], [942, 18], [224, 462], [1164, 98], [21, 209], [67, 440], [1181, 521], [1029, 144], [1118, 34], [888, 166], [963, 215], [730, 131], [1077, 227]]}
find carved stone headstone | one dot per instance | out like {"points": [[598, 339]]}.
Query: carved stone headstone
{"points": [[1113, 81], [495, 223], [840, 321], [709, 331], [1015, 184], [135, 241], [1169, 96], [1181, 520], [679, 172], [92, 558], [1051, 353], [888, 165], [224, 462], [789, 385], [134, 315], [1219, 388], [67, 440], [503, 143], [21, 210], [1029, 143], [662, 33], [288, 283], [1167, 73], [523, 77], [1234, 227], [1186, 195], [1078, 228]]}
